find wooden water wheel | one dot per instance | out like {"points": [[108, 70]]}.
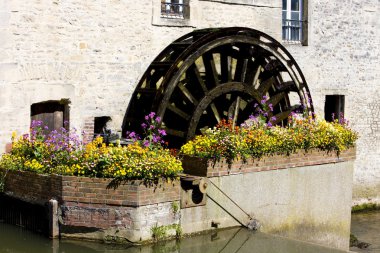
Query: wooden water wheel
{"points": [[211, 74]]}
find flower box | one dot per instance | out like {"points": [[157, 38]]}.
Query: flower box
{"points": [[210, 168]]}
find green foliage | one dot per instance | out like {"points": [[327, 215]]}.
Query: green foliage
{"points": [[175, 207], [257, 139], [365, 207], [63, 153], [160, 232]]}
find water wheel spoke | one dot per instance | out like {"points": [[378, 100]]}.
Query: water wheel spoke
{"points": [[275, 99], [186, 93], [285, 114], [236, 112], [241, 68], [179, 112], [198, 78], [288, 86], [211, 73], [215, 112], [265, 86], [174, 132], [250, 72], [225, 66]]}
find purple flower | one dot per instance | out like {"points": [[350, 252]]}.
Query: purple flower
{"points": [[156, 138], [162, 132], [152, 114], [151, 127], [132, 135], [273, 118], [255, 105], [269, 124], [270, 107], [146, 143], [146, 117], [143, 125], [158, 119], [36, 123]]}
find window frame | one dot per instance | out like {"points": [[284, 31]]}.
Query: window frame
{"points": [[174, 9], [302, 37], [189, 18]]}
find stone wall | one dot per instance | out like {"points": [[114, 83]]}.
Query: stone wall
{"points": [[95, 208], [309, 203], [342, 58], [94, 53]]}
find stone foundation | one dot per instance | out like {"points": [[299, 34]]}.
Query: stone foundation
{"points": [[305, 196], [101, 209]]}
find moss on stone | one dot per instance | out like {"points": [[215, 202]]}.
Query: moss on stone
{"points": [[365, 207]]}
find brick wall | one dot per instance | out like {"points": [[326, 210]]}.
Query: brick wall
{"points": [[96, 203], [32, 187], [209, 168], [130, 193]]}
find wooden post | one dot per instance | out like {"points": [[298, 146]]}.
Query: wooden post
{"points": [[53, 219]]}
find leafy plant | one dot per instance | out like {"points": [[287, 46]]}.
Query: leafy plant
{"points": [[160, 232], [175, 207], [257, 138], [153, 134], [62, 152]]}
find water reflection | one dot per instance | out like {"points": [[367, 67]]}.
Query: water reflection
{"points": [[238, 240], [366, 227]]}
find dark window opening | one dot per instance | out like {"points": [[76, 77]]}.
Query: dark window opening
{"points": [[334, 107], [175, 9], [53, 114], [100, 126]]}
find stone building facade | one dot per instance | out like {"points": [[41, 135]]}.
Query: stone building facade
{"points": [[90, 55]]}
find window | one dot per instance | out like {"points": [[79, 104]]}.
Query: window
{"points": [[174, 9], [294, 25], [334, 107]]}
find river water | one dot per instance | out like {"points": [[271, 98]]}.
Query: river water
{"points": [[366, 227], [17, 240]]}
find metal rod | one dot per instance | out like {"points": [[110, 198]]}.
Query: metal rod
{"points": [[229, 198]]}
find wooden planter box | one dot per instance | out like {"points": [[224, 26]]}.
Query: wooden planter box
{"points": [[208, 168]]}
